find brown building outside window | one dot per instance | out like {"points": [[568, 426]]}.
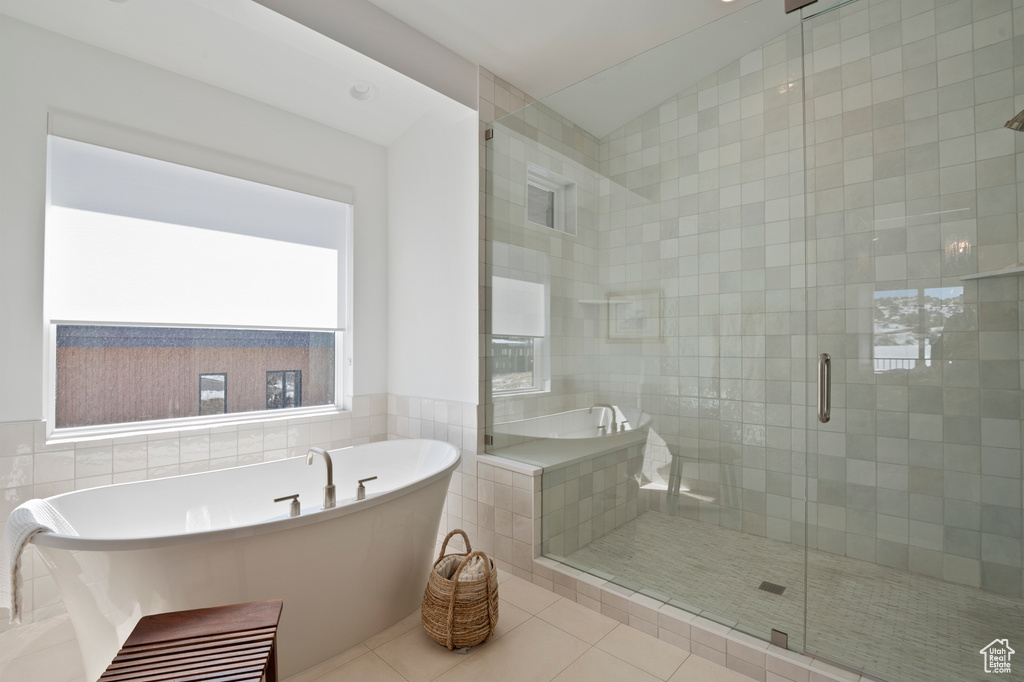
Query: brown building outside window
{"points": [[119, 374]]}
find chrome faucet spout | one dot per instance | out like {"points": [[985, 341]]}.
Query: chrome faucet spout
{"points": [[329, 497], [611, 411]]}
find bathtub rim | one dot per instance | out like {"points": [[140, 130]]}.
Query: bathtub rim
{"points": [[644, 421], [572, 450], [349, 506], [524, 454]]}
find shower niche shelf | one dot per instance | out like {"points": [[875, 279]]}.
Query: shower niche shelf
{"points": [[1017, 269]]}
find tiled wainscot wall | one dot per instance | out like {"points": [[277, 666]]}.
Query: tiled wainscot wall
{"points": [[30, 468]]}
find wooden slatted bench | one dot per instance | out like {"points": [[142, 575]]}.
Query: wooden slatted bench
{"points": [[224, 643]]}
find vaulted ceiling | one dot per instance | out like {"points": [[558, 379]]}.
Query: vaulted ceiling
{"points": [[542, 46], [600, 63], [642, 51]]}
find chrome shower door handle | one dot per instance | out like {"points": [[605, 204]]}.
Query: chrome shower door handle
{"points": [[824, 388]]}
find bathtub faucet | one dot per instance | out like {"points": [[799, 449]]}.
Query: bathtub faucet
{"points": [[611, 411], [329, 488]]}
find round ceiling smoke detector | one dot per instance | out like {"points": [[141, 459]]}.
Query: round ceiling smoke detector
{"points": [[363, 90]]}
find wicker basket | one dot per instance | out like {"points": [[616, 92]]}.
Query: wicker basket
{"points": [[462, 613]]}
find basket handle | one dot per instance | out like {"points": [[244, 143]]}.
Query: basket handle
{"points": [[455, 588], [444, 545]]}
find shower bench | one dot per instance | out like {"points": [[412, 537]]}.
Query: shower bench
{"points": [[237, 642]]}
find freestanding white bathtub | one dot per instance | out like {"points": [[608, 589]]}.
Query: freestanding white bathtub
{"points": [[218, 538]]}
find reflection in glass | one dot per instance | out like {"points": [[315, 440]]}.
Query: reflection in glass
{"points": [[213, 394], [908, 324], [513, 363], [540, 205], [284, 389]]}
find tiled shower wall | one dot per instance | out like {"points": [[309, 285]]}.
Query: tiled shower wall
{"points": [[700, 201], [706, 208], [569, 263], [913, 182]]}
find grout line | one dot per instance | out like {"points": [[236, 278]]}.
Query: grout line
{"points": [[42, 653], [390, 667], [573, 661]]}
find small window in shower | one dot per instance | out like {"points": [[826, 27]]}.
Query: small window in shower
{"points": [[540, 205], [284, 389], [213, 394], [550, 200], [519, 355], [513, 364]]}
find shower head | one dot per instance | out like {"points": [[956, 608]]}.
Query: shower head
{"points": [[1017, 122]]}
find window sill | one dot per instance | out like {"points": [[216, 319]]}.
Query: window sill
{"points": [[80, 434], [516, 394]]}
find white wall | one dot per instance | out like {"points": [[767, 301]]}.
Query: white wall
{"points": [[370, 30], [41, 72], [433, 253]]}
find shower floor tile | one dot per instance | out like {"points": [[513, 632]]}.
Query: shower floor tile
{"points": [[885, 622]]}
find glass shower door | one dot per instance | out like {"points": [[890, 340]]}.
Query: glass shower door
{"points": [[914, 484], [677, 299]]}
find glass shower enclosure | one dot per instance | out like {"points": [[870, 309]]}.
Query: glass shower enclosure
{"points": [[672, 246]]}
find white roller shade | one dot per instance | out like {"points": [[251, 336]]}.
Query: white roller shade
{"points": [[134, 239], [517, 307]]}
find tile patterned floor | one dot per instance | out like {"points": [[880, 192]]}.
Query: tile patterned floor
{"points": [[888, 623], [540, 636]]}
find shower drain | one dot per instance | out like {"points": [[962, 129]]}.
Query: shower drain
{"points": [[772, 587]]}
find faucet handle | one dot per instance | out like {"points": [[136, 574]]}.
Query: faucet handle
{"points": [[361, 490], [294, 509]]}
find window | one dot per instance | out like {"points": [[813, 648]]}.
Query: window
{"points": [[513, 364], [550, 200], [518, 335], [540, 206], [156, 273], [909, 326], [284, 389], [213, 394]]}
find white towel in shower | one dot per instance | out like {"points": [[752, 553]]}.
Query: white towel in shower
{"points": [[34, 516]]}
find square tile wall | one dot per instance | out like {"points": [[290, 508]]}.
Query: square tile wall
{"points": [[566, 264], [585, 500], [705, 206], [911, 183]]}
